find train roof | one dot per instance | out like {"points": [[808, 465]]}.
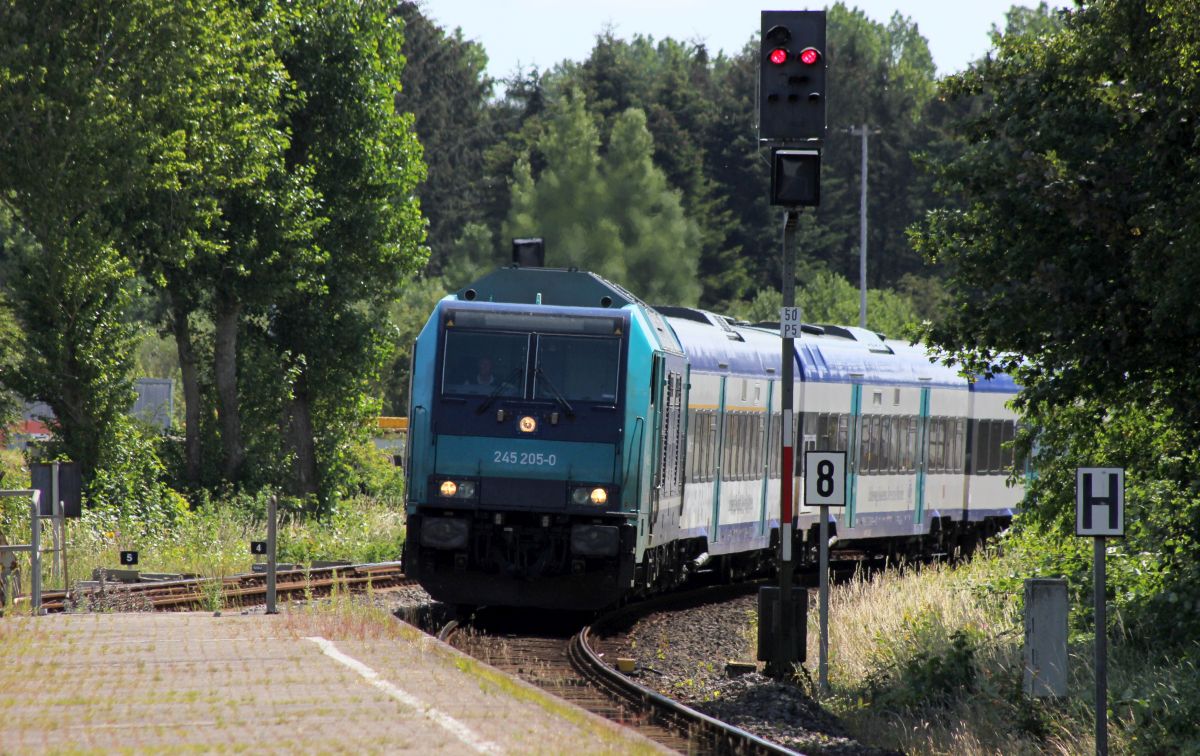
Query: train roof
{"points": [[824, 353], [830, 354]]}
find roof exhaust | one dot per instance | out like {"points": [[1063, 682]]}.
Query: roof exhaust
{"points": [[529, 253]]}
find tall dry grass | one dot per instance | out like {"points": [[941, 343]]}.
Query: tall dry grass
{"points": [[929, 661]]}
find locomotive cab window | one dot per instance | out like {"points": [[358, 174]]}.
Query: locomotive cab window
{"points": [[483, 363], [578, 368]]}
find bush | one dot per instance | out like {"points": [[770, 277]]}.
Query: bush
{"points": [[14, 511], [929, 665], [130, 482]]}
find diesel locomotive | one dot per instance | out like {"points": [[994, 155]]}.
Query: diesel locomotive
{"points": [[570, 446]]}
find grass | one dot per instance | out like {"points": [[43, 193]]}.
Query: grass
{"points": [[930, 661], [214, 540]]}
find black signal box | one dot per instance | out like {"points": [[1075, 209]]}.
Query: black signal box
{"points": [[791, 86], [795, 178]]}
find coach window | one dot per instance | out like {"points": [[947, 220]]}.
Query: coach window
{"points": [[749, 445], [868, 446], [710, 444], [760, 441], [983, 462], [959, 430], [773, 446], [877, 444], [729, 451], [691, 444], [893, 442], [1006, 441]]}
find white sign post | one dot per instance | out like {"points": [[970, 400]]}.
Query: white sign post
{"points": [[1100, 512], [824, 487], [789, 322]]}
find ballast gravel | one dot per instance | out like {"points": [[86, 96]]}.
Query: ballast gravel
{"points": [[683, 653]]}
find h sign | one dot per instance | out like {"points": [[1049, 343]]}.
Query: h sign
{"points": [[1100, 501]]}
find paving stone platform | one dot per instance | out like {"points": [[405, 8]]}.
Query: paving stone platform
{"points": [[289, 683]]}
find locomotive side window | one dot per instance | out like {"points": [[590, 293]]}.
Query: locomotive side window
{"points": [[481, 363]]}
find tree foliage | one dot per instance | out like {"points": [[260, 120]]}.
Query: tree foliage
{"points": [[1071, 254], [250, 164], [613, 214]]}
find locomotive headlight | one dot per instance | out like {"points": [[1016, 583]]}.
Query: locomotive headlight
{"points": [[457, 489], [584, 495], [527, 424]]}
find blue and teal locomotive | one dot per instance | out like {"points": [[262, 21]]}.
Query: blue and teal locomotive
{"points": [[570, 445]]}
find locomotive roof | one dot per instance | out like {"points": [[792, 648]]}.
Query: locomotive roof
{"points": [[566, 287]]}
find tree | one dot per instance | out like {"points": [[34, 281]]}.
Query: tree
{"points": [[361, 158], [75, 145], [216, 112], [615, 215], [445, 86], [1070, 247], [674, 85]]}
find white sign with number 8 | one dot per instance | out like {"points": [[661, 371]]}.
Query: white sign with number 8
{"points": [[825, 479]]}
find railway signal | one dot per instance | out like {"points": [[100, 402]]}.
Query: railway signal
{"points": [[791, 114], [791, 84]]}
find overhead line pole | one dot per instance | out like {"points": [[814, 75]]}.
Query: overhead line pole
{"points": [[865, 132]]}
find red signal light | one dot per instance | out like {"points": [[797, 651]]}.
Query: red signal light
{"points": [[779, 56], [809, 56]]}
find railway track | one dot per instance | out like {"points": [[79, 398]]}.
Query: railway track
{"points": [[233, 591], [579, 666]]}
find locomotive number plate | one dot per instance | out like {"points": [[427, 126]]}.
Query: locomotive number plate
{"points": [[525, 458]]}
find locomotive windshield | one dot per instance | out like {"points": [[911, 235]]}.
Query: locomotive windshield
{"points": [[579, 368], [566, 367], [485, 363]]}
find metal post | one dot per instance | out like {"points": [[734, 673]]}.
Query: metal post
{"points": [[55, 508], [60, 520], [272, 527], [823, 666], [1101, 649], [786, 647], [35, 554], [862, 230]]}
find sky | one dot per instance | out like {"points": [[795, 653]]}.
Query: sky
{"points": [[523, 33]]}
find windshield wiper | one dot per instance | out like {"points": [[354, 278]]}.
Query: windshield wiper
{"points": [[496, 391], [558, 397]]}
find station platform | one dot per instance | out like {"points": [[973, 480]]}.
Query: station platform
{"points": [[296, 682]]}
